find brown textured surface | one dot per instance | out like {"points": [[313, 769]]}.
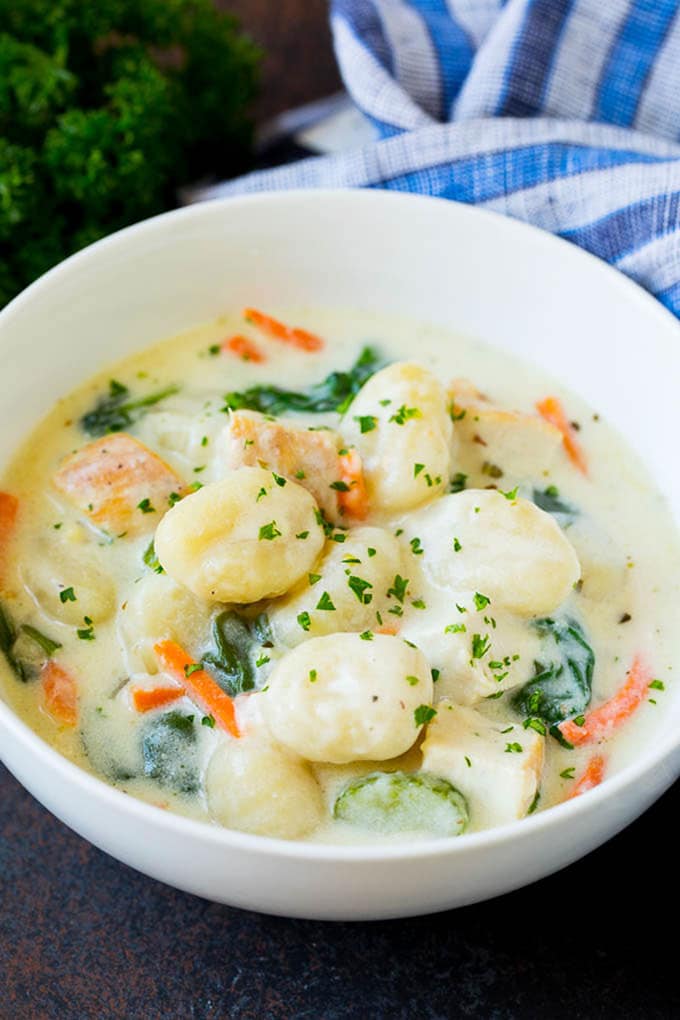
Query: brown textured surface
{"points": [[299, 64], [82, 936]]}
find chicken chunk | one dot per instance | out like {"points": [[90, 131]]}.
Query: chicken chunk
{"points": [[120, 484], [308, 456], [521, 445], [496, 769]]}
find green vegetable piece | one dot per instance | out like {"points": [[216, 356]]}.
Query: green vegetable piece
{"points": [[550, 501], [106, 109], [115, 412], [151, 559], [334, 393], [8, 636], [562, 687], [169, 752], [42, 640], [230, 663], [391, 802]]}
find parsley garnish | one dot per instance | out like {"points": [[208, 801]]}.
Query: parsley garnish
{"points": [[269, 532], [339, 486], [359, 586], [325, 603], [417, 468], [312, 676], [302, 535], [313, 578], [305, 620], [398, 588], [366, 635], [458, 482], [67, 595], [480, 645], [146, 507], [278, 479], [481, 601], [455, 628], [511, 494], [209, 721], [412, 680], [513, 748], [424, 714], [405, 414], [416, 547], [191, 668], [367, 422]]}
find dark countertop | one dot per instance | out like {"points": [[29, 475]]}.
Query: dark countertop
{"points": [[83, 936]]}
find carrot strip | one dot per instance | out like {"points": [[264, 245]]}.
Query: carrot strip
{"points": [[602, 721], [243, 348], [353, 501], [391, 631], [198, 684], [9, 510], [550, 408], [279, 331], [145, 700], [591, 777], [60, 693]]}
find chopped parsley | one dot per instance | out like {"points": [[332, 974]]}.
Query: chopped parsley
{"points": [[300, 474], [370, 551], [312, 676], [398, 589], [458, 482], [416, 547], [568, 773], [360, 588], [412, 680], [436, 673], [261, 493], [191, 668], [367, 422], [456, 545], [366, 635], [339, 486], [513, 748], [424, 714], [325, 603], [658, 685], [455, 628], [146, 507], [417, 468], [278, 479], [313, 578], [302, 535], [480, 645], [491, 470], [481, 601], [209, 721], [511, 494], [419, 604], [67, 595], [262, 660], [305, 620], [173, 498], [269, 532], [405, 414]]}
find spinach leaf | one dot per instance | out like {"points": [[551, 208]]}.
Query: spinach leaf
{"points": [[42, 640], [550, 501], [8, 636], [334, 393], [116, 411], [230, 663], [169, 752], [562, 687]]}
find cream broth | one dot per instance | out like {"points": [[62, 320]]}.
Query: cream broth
{"points": [[604, 561]]}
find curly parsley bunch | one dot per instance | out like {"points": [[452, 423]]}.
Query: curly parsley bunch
{"points": [[105, 109]]}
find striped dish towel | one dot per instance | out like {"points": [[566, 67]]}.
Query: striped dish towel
{"points": [[563, 113]]}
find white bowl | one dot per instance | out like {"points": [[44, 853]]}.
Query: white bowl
{"points": [[517, 288]]}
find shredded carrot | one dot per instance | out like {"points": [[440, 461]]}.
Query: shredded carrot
{"points": [[591, 777], [353, 501], [244, 348], [392, 631], [550, 408], [145, 700], [198, 684], [602, 721], [9, 509], [279, 331], [60, 693]]}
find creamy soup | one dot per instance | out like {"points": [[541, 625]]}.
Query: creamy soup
{"points": [[370, 582]]}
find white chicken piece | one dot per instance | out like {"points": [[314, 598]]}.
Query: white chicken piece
{"points": [[254, 786], [354, 576], [245, 538], [400, 424], [309, 456], [478, 649], [343, 698], [498, 771], [487, 541], [522, 445]]}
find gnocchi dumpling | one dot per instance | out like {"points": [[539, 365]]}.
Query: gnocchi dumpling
{"points": [[496, 767], [522, 445], [483, 540], [400, 425], [254, 786], [251, 536], [344, 698], [478, 649], [68, 581], [159, 608], [345, 590]]}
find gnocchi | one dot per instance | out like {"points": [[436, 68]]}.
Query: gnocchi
{"points": [[243, 539], [343, 698], [400, 425]]}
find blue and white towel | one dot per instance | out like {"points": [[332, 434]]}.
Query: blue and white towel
{"points": [[563, 113]]}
